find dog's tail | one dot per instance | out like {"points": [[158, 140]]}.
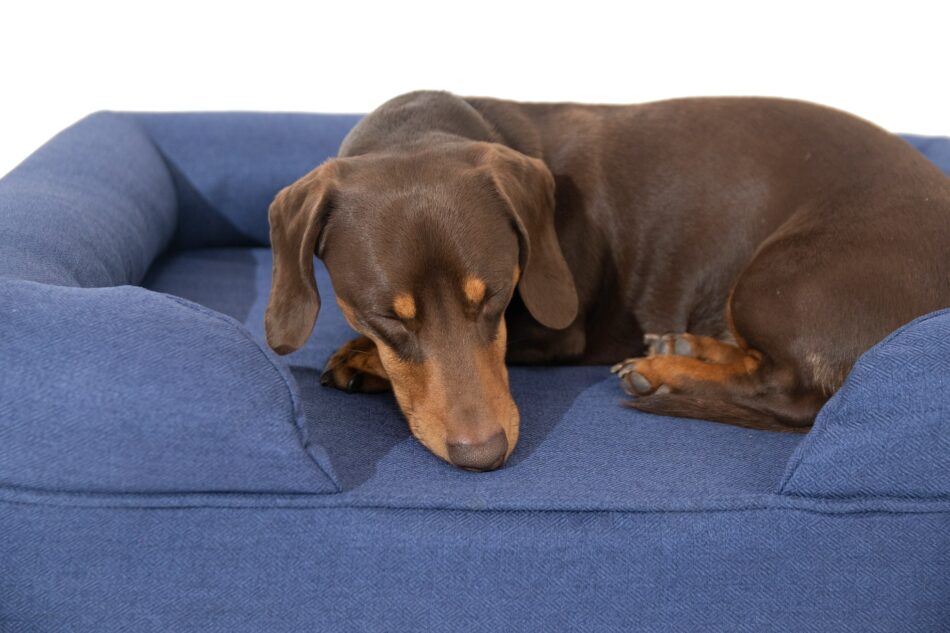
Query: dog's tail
{"points": [[760, 413]]}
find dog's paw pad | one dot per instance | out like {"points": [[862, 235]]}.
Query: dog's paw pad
{"points": [[636, 384]]}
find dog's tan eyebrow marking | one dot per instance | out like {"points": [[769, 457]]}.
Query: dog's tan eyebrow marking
{"points": [[405, 306], [474, 289]]}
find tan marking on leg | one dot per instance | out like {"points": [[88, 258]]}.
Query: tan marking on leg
{"points": [[713, 350], [680, 372], [358, 356], [363, 356], [474, 289], [405, 306]]}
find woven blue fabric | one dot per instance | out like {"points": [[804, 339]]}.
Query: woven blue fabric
{"points": [[92, 207], [109, 389], [227, 166], [286, 570], [160, 469], [887, 431], [579, 447], [125, 390], [936, 148]]}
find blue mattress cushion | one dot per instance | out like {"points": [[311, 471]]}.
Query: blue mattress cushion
{"points": [[579, 447], [134, 271]]}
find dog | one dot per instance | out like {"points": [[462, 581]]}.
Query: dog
{"points": [[739, 253]]}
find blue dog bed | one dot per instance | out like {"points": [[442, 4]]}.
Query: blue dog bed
{"points": [[161, 469]]}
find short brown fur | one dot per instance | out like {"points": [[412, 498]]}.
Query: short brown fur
{"points": [[658, 233]]}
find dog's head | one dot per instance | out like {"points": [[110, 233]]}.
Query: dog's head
{"points": [[425, 250]]}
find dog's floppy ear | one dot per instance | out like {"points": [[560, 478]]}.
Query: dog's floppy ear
{"points": [[297, 216], [527, 187]]}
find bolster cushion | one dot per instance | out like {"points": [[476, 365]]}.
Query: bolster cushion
{"points": [[108, 387], [92, 207], [887, 430], [227, 167], [127, 390]]}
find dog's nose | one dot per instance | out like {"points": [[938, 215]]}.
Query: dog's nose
{"points": [[487, 455]]}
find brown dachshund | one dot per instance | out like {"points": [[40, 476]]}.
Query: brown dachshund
{"points": [[741, 253]]}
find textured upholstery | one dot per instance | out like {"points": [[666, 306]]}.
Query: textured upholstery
{"points": [[160, 469], [887, 431], [125, 390], [92, 207], [579, 448], [109, 389], [229, 564], [227, 166]]}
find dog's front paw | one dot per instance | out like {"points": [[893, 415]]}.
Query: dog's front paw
{"points": [[356, 368], [636, 377]]}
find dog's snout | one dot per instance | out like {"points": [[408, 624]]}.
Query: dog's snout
{"points": [[480, 456]]}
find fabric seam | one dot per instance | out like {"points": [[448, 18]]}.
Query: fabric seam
{"points": [[942, 508], [273, 500]]}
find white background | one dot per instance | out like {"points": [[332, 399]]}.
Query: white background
{"points": [[60, 61]]}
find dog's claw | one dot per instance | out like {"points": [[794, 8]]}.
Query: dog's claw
{"points": [[622, 368], [650, 342], [355, 383]]}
